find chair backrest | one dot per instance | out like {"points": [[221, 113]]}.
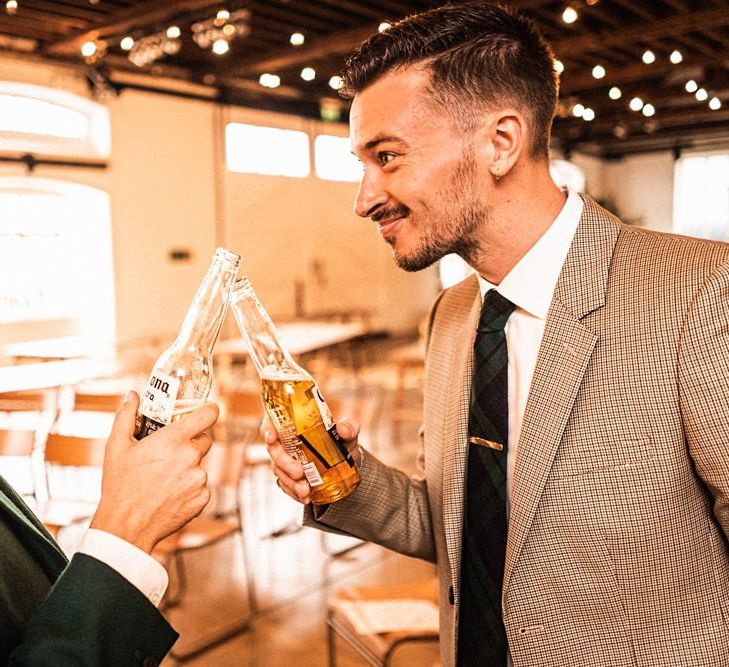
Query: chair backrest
{"points": [[26, 401], [16, 442], [240, 416], [97, 402], [72, 450]]}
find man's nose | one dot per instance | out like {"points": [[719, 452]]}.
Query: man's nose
{"points": [[370, 196]]}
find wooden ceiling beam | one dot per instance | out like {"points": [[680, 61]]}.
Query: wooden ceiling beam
{"points": [[298, 20], [338, 44], [144, 14], [668, 27]]}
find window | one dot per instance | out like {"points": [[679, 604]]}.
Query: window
{"points": [[333, 161], [55, 254], [34, 119], [254, 149], [701, 196]]}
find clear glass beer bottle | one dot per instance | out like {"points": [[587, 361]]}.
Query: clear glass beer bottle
{"points": [[182, 376], [294, 403]]}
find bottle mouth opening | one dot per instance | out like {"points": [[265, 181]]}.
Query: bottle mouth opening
{"points": [[228, 255], [243, 287]]}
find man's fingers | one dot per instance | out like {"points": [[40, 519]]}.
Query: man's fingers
{"points": [[125, 416], [282, 461], [347, 429], [268, 432], [198, 420]]}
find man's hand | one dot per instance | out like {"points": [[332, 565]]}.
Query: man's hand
{"points": [[152, 487], [290, 472]]}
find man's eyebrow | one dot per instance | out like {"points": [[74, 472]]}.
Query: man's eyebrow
{"points": [[381, 138]]}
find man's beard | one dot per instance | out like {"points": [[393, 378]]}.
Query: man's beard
{"points": [[462, 211]]}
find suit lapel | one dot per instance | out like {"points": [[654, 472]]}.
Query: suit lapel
{"points": [[567, 346], [30, 531], [455, 447]]}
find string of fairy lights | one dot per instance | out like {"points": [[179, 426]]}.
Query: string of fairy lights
{"points": [[637, 104], [220, 30]]}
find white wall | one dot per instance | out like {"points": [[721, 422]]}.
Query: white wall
{"points": [[169, 189], [640, 187]]}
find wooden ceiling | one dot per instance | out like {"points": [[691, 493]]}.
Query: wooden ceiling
{"points": [[611, 33]]}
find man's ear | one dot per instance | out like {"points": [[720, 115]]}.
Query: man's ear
{"points": [[501, 141]]}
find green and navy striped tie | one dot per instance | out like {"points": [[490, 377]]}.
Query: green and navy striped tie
{"points": [[481, 635]]}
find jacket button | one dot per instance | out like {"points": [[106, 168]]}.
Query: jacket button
{"points": [[451, 595]]}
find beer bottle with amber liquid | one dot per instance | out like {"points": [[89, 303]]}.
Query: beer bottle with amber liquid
{"points": [[294, 403], [182, 376]]}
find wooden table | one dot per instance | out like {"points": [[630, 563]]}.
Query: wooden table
{"points": [[53, 374], [299, 338]]}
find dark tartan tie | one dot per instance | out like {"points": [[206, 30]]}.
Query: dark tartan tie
{"points": [[481, 634]]}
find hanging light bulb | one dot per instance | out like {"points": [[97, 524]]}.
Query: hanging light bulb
{"points": [[702, 94], [336, 82], [676, 57], [220, 47], [11, 6], [88, 49], [598, 72], [173, 32], [269, 80], [578, 110], [308, 74], [127, 43], [691, 86], [297, 39], [588, 114], [648, 110], [615, 93], [569, 15], [383, 26], [636, 104], [648, 57], [714, 103], [558, 66]]}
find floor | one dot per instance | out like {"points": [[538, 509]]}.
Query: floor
{"points": [[294, 572]]}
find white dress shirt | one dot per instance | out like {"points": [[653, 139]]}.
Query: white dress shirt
{"points": [[136, 566], [530, 286]]}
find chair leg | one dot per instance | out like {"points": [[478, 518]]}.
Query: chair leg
{"points": [[331, 643], [242, 625]]}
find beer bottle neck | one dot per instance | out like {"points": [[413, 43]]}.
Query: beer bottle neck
{"points": [[204, 318], [264, 345]]}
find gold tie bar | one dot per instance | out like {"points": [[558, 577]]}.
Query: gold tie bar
{"points": [[474, 440]]}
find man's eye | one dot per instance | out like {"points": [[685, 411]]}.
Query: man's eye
{"points": [[384, 157]]}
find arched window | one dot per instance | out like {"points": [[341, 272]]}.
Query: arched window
{"points": [[39, 120]]}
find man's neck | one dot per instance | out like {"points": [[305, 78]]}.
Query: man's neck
{"points": [[523, 207]]}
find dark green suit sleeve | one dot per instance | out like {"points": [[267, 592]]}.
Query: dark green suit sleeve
{"points": [[94, 617]]}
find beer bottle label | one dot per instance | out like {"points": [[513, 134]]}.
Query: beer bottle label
{"points": [[326, 413], [158, 401]]}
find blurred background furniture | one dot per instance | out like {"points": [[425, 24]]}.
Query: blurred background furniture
{"points": [[379, 648], [222, 519]]}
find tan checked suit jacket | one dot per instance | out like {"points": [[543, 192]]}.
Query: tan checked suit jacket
{"points": [[617, 551]]}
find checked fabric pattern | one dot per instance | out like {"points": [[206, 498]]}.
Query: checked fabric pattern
{"points": [[481, 637]]}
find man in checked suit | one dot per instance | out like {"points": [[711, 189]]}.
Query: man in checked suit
{"points": [[99, 610], [617, 451]]}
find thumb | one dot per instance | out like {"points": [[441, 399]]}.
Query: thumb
{"points": [[124, 422]]}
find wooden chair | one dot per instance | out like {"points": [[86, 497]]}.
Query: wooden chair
{"points": [[16, 460], [73, 475], [97, 402], [222, 520], [377, 649]]}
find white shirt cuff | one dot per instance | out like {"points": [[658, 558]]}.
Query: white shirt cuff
{"points": [[137, 567]]}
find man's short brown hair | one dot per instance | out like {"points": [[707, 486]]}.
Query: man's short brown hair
{"points": [[478, 54]]}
